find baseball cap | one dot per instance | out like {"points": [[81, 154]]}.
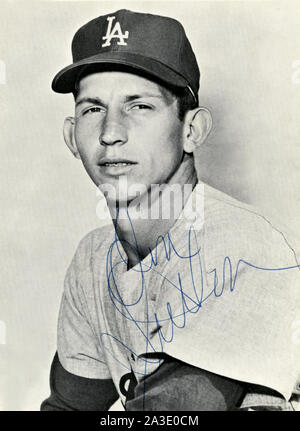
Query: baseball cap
{"points": [[148, 43]]}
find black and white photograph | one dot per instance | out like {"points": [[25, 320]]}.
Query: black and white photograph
{"points": [[150, 207]]}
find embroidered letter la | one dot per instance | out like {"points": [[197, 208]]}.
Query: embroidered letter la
{"points": [[116, 32]]}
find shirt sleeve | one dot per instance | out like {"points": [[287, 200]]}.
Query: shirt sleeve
{"points": [[73, 393], [234, 313], [79, 348], [259, 398]]}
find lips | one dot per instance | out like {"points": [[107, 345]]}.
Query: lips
{"points": [[116, 167], [116, 162]]}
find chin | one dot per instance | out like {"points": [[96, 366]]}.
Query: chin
{"points": [[123, 188]]}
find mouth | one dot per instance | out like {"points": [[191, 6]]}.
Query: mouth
{"points": [[116, 167], [116, 163]]}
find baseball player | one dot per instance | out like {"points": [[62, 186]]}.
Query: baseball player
{"points": [[192, 311]]}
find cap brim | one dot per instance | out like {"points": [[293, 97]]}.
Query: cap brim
{"points": [[64, 81]]}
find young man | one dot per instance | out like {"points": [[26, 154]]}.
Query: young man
{"points": [[186, 300]]}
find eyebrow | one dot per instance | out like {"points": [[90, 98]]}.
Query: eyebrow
{"points": [[140, 96], [93, 100], [98, 101]]}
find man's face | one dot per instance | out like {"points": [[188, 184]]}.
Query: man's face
{"points": [[127, 127]]}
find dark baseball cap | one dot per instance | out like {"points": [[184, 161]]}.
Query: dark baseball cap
{"points": [[147, 43]]}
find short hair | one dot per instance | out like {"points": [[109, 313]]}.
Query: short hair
{"points": [[186, 101]]}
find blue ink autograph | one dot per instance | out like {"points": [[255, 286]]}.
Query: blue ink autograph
{"points": [[188, 304]]}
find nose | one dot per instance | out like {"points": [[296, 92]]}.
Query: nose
{"points": [[113, 130]]}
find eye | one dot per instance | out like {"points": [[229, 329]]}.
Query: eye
{"points": [[140, 106], [92, 110]]}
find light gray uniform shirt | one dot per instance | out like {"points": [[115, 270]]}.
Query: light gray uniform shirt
{"points": [[220, 292]]}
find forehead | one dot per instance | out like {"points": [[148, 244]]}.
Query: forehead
{"points": [[121, 84]]}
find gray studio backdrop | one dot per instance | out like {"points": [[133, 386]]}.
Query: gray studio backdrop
{"points": [[249, 55]]}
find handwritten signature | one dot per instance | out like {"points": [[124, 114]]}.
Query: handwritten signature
{"points": [[187, 303]]}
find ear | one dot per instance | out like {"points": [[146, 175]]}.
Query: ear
{"points": [[69, 136], [198, 123]]}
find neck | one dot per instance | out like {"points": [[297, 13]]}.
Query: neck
{"points": [[139, 225]]}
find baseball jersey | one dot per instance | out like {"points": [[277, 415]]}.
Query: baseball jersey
{"points": [[220, 291]]}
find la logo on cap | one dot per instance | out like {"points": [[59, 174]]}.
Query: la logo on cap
{"points": [[116, 32]]}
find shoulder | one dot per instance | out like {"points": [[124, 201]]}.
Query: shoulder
{"points": [[96, 242], [235, 227]]}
